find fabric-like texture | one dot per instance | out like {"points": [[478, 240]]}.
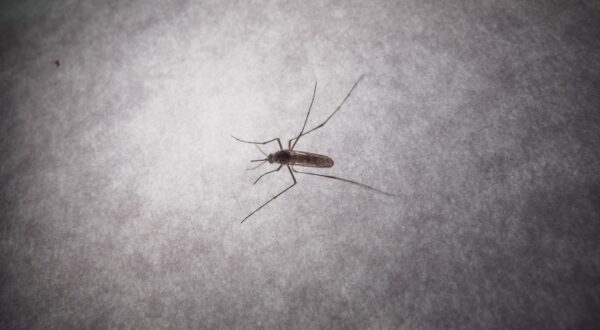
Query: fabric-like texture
{"points": [[122, 191]]}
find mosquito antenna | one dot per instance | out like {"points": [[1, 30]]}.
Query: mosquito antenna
{"points": [[257, 166], [259, 149], [348, 181]]}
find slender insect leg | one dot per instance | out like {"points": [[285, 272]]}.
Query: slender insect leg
{"points": [[290, 145], [275, 170], [348, 181], [334, 112], [275, 139], [274, 197]]}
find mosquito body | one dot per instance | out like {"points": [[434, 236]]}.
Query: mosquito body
{"points": [[299, 158], [290, 157]]}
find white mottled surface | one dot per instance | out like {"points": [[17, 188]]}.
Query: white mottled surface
{"points": [[121, 189]]}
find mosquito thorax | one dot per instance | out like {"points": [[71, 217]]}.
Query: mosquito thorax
{"points": [[282, 156]]}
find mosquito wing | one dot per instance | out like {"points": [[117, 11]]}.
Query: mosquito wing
{"points": [[308, 159]]}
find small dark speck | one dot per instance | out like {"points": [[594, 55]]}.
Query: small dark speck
{"points": [[57, 62]]}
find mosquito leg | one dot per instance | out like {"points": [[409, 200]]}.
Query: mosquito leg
{"points": [[349, 181], [290, 145], [326, 120], [275, 139], [275, 170], [274, 197]]}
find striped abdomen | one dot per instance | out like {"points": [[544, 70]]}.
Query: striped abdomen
{"points": [[301, 158]]}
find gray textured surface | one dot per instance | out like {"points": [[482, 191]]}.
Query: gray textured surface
{"points": [[121, 189]]}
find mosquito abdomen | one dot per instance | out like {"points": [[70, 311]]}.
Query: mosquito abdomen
{"points": [[308, 159]]}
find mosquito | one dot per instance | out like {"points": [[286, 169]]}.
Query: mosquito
{"points": [[290, 157]]}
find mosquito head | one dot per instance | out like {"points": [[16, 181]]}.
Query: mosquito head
{"points": [[271, 158]]}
